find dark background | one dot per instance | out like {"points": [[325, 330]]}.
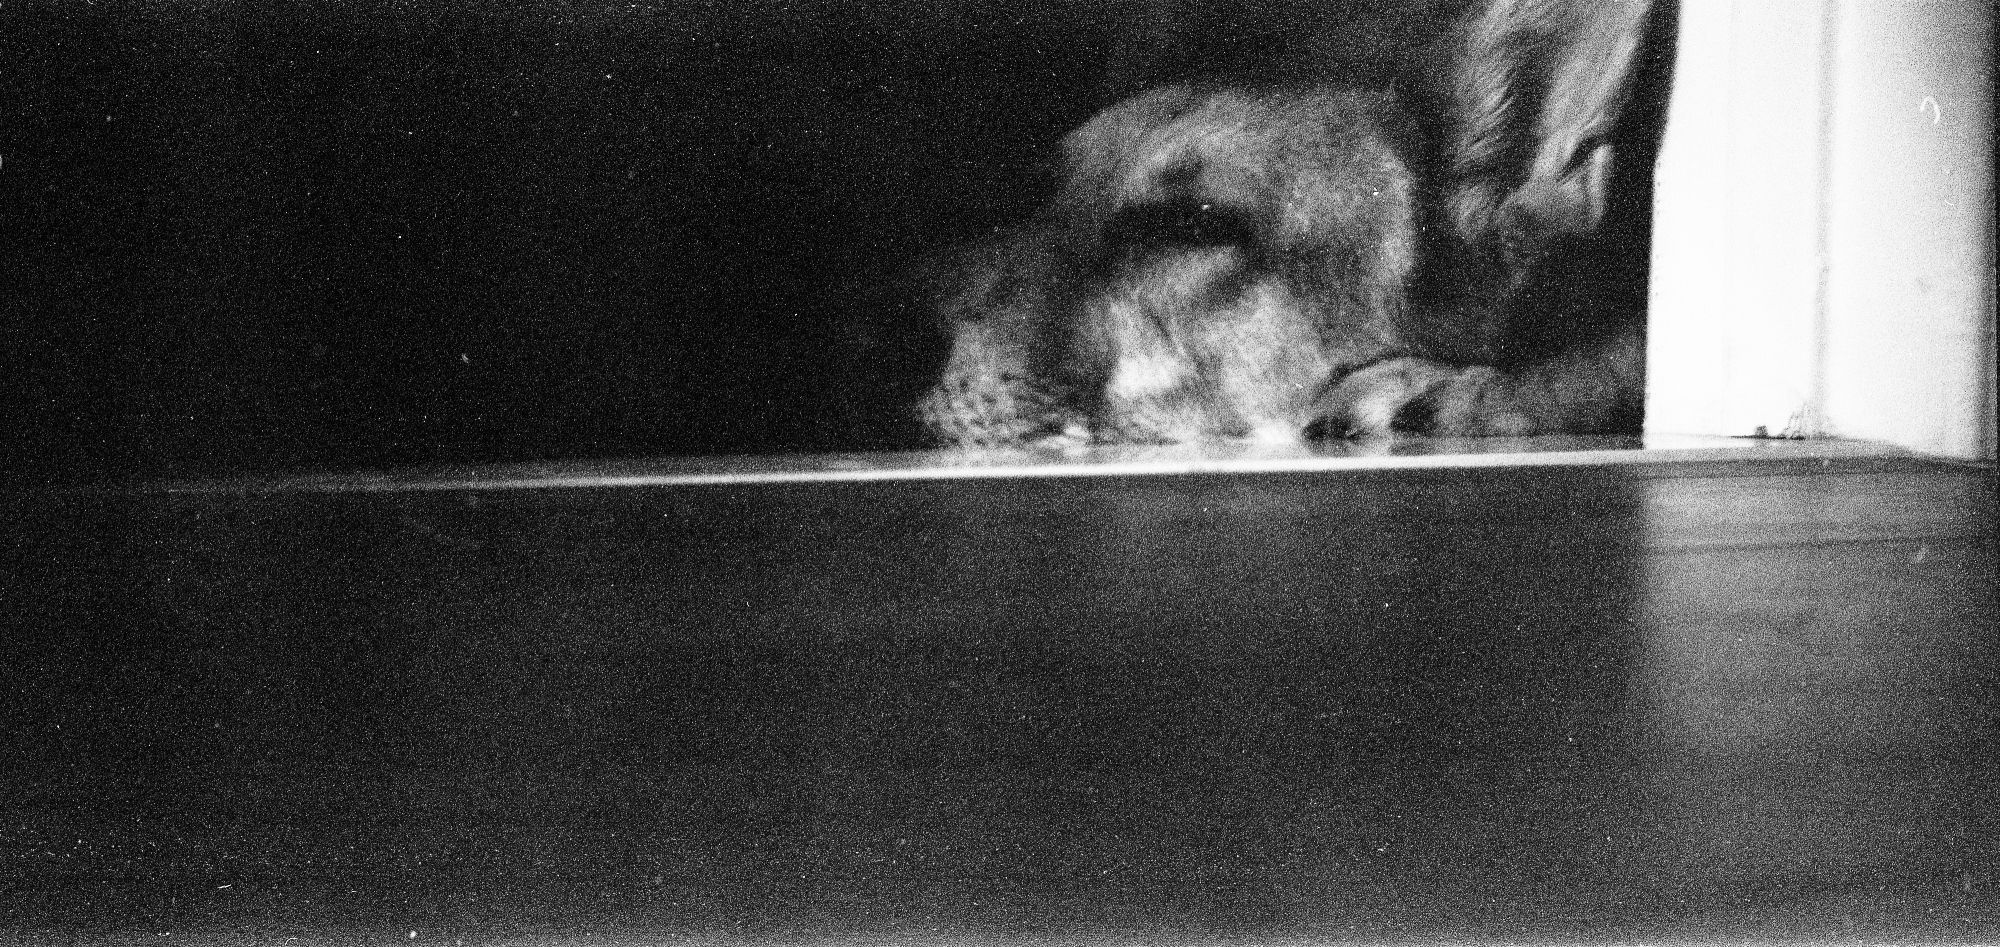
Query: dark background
{"points": [[301, 234], [253, 235]]}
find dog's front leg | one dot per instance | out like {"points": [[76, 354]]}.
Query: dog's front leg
{"points": [[1589, 389]]}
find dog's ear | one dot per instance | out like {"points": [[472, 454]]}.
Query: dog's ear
{"points": [[1533, 91]]}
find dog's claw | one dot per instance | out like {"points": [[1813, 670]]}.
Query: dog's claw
{"points": [[1420, 396]]}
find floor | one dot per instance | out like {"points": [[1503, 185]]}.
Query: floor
{"points": [[1424, 693]]}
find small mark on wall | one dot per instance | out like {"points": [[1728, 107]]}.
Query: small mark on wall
{"points": [[1929, 106]]}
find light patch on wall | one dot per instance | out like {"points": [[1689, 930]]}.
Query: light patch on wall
{"points": [[1823, 257]]}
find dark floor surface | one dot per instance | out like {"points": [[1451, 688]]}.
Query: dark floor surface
{"points": [[1597, 702]]}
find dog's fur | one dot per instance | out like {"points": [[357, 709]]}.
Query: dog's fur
{"points": [[1291, 237]]}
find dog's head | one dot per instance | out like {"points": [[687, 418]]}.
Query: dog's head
{"points": [[1223, 252], [1231, 251]]}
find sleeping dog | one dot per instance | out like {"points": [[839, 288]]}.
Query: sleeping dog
{"points": [[1428, 235]]}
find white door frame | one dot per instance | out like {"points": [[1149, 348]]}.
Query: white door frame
{"points": [[1823, 253]]}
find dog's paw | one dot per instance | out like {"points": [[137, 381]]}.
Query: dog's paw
{"points": [[1420, 396]]}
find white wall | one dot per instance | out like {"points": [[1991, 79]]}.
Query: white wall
{"points": [[1824, 246]]}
